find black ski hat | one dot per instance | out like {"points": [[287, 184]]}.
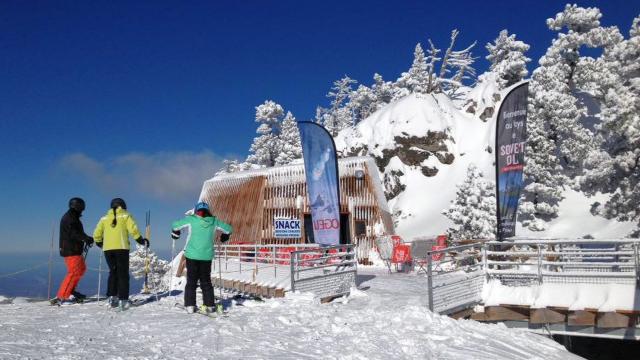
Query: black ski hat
{"points": [[118, 202], [77, 204]]}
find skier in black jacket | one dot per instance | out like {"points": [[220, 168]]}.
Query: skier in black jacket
{"points": [[72, 242]]}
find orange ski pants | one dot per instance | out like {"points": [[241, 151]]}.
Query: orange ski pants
{"points": [[75, 270]]}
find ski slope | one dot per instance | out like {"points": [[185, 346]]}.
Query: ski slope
{"points": [[386, 319]]}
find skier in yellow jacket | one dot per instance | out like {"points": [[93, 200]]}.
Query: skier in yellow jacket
{"points": [[112, 235]]}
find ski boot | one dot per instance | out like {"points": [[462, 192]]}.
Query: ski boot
{"points": [[124, 305], [112, 301], [190, 309], [70, 301], [54, 301], [80, 297], [207, 309]]}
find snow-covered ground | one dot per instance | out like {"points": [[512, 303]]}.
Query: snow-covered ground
{"points": [[386, 319]]}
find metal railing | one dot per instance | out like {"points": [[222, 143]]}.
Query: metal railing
{"points": [[326, 272], [526, 262], [456, 279], [251, 257]]}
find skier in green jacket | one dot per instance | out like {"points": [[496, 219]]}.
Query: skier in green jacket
{"points": [[199, 253]]}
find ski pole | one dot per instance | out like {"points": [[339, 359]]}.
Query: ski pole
{"points": [[50, 259], [219, 308], [147, 235], [99, 275], [173, 250]]}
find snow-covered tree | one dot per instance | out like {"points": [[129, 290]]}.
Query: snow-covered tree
{"points": [[339, 116], [461, 61], [507, 59], [416, 80], [231, 166], [473, 210], [558, 140], [614, 167], [291, 148], [383, 91], [266, 147], [363, 103], [157, 268]]}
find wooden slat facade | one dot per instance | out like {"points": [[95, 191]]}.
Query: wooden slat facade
{"points": [[251, 200]]}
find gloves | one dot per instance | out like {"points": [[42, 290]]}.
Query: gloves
{"points": [[143, 241], [99, 244], [224, 237], [175, 234], [89, 241]]}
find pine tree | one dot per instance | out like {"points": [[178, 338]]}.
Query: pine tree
{"points": [[157, 268], [507, 59], [416, 80], [558, 141], [291, 148], [266, 147], [363, 103], [229, 166], [339, 116], [383, 91], [473, 210], [614, 167]]}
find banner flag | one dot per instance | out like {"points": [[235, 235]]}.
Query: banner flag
{"points": [[321, 170], [511, 136]]}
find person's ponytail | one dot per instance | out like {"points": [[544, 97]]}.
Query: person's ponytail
{"points": [[115, 218]]}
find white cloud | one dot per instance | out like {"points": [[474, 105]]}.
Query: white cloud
{"points": [[162, 175]]}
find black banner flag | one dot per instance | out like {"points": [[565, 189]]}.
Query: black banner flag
{"points": [[511, 136]]}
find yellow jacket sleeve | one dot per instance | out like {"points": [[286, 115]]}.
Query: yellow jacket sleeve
{"points": [[98, 233], [132, 228]]}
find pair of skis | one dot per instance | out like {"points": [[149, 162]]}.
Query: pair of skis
{"points": [[198, 311]]}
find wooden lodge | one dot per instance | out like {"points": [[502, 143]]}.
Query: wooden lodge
{"points": [[251, 201]]}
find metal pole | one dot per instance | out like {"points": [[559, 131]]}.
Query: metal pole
{"points": [[636, 260], [99, 274], [429, 281], [219, 306], [484, 261], [293, 282], [273, 258], [53, 224], [173, 252], [539, 263]]}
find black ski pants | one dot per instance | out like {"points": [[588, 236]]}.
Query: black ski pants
{"points": [[198, 270], [118, 284]]}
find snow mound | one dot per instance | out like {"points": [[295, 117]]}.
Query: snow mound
{"points": [[423, 145], [387, 321]]}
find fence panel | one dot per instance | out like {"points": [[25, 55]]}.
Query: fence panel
{"points": [[326, 272]]}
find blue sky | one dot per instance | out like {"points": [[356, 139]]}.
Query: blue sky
{"points": [[142, 100]]}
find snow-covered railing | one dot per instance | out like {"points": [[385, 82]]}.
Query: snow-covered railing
{"points": [[325, 272], [525, 262], [454, 277]]}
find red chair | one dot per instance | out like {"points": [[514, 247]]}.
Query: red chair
{"points": [[265, 255], [441, 240], [284, 255], [401, 255], [438, 256]]}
